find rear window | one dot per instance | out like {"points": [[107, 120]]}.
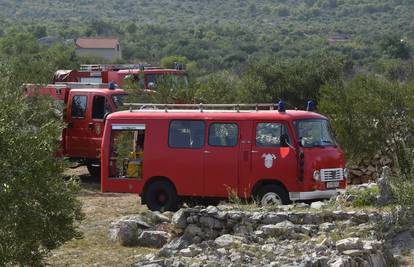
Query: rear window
{"points": [[186, 134]]}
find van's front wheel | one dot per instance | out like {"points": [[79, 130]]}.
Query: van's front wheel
{"points": [[161, 196], [273, 195]]}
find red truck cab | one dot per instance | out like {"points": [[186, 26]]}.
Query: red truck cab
{"points": [[272, 156], [83, 107]]}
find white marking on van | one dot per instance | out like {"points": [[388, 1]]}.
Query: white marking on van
{"points": [[268, 160]]}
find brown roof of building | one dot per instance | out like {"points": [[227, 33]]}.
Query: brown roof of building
{"points": [[97, 42]]}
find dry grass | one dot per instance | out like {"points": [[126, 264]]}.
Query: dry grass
{"points": [[100, 209]]}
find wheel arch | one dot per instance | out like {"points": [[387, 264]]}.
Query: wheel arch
{"points": [[259, 184]]}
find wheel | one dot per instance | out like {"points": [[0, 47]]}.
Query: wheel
{"points": [[94, 170], [161, 196], [273, 195]]}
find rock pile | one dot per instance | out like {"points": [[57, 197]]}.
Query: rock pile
{"points": [[228, 236]]}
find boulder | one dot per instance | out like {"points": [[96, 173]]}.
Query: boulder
{"points": [[317, 205], [191, 231], [228, 240], [279, 229], [127, 230], [153, 239], [179, 218], [273, 218], [173, 246], [211, 223], [349, 244]]}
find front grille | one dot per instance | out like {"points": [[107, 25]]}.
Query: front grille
{"points": [[332, 174]]}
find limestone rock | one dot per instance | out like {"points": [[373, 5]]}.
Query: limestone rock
{"points": [[317, 205], [228, 240], [349, 244], [153, 239], [127, 230], [179, 218]]}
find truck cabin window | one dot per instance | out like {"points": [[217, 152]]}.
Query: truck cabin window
{"points": [[79, 106], [127, 153], [314, 133], [100, 107], [223, 134], [186, 134], [118, 100], [272, 135], [171, 82]]}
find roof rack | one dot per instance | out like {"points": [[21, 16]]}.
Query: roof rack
{"points": [[201, 107], [78, 85]]}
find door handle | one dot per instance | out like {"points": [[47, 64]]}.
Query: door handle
{"points": [[255, 151], [207, 152], [70, 125], [90, 125]]}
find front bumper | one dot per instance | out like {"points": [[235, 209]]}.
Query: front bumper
{"points": [[318, 194]]}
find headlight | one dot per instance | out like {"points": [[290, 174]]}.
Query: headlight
{"points": [[316, 175], [346, 173]]}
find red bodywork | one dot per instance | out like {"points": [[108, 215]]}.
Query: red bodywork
{"points": [[81, 138], [117, 76], [211, 171]]}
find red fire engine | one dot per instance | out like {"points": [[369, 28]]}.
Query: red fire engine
{"points": [[166, 155], [143, 76], [83, 107]]}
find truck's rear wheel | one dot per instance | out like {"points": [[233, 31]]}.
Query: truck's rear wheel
{"points": [[94, 170], [161, 196], [272, 194]]}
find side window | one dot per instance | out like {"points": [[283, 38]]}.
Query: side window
{"points": [[79, 106], [100, 107], [223, 134], [272, 135], [186, 134]]}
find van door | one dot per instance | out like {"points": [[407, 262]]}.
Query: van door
{"points": [[272, 157], [78, 132], [221, 159]]}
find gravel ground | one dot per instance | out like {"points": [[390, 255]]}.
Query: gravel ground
{"points": [[100, 209]]}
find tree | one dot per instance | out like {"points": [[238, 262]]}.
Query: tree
{"points": [[169, 62], [395, 47], [38, 208], [367, 114]]}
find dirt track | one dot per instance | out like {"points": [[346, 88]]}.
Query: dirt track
{"points": [[100, 210]]}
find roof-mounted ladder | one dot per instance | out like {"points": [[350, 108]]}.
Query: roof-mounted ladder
{"points": [[201, 107]]}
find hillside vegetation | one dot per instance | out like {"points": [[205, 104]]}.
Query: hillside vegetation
{"points": [[223, 34]]}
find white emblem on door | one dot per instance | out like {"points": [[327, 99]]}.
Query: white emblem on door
{"points": [[268, 160]]}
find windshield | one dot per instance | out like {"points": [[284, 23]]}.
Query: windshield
{"points": [[314, 133], [118, 100], [167, 79]]}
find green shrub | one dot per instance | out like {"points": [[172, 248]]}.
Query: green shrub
{"points": [[38, 208], [367, 197]]}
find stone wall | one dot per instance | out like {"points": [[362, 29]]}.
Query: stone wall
{"points": [[294, 235]]}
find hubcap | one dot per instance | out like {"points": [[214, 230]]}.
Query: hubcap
{"points": [[271, 198]]}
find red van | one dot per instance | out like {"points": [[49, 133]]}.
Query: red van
{"points": [[275, 156]]}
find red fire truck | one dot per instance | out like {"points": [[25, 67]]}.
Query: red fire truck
{"points": [[166, 154], [145, 77], [83, 107]]}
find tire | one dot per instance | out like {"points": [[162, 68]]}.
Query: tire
{"points": [[94, 170], [161, 196], [272, 194]]}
